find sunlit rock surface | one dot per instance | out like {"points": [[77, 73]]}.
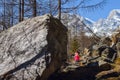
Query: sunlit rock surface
{"points": [[32, 49]]}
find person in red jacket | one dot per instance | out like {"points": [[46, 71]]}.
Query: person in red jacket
{"points": [[76, 57]]}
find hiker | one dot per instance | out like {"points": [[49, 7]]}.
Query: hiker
{"points": [[76, 57]]}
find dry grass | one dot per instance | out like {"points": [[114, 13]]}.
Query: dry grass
{"points": [[113, 78], [117, 61], [115, 69]]}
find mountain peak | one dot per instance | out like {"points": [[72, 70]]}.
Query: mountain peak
{"points": [[103, 27], [114, 14]]}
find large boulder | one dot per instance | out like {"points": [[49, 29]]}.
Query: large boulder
{"points": [[32, 49]]}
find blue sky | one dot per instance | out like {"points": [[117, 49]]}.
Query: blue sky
{"points": [[102, 13]]}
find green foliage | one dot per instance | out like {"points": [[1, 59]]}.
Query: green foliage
{"points": [[74, 45]]}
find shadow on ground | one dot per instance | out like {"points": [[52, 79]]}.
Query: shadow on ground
{"points": [[79, 73]]}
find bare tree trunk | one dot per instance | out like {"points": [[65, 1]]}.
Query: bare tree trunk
{"points": [[12, 22], [34, 8], [22, 14], [59, 9], [50, 7], [12, 17], [20, 10], [4, 21]]}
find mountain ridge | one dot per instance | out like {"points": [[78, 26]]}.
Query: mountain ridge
{"points": [[102, 27]]}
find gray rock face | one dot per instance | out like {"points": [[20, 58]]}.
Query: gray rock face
{"points": [[32, 49]]}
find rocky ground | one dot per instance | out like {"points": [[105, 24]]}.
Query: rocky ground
{"points": [[88, 72], [72, 72], [106, 66]]}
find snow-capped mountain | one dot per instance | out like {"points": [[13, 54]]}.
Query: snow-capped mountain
{"points": [[103, 27], [114, 14], [76, 23], [108, 25]]}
